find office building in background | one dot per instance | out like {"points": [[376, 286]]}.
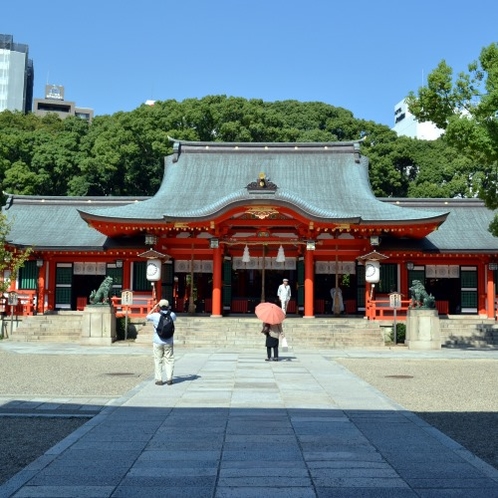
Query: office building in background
{"points": [[54, 103], [16, 76], [405, 124]]}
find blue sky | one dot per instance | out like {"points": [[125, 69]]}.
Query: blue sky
{"points": [[364, 56]]}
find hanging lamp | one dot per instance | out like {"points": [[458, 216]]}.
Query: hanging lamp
{"points": [[246, 257], [280, 255]]}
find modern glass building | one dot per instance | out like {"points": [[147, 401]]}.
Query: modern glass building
{"points": [[16, 76]]}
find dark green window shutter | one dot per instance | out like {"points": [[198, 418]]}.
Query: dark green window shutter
{"points": [[469, 299], [64, 275], [468, 279], [140, 282], [28, 276], [62, 297], [468, 291], [63, 286], [388, 278]]}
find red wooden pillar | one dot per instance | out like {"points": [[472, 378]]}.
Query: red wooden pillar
{"points": [[126, 275], [51, 290], [481, 290], [369, 312], [404, 285], [308, 285], [217, 283], [490, 294], [40, 297]]}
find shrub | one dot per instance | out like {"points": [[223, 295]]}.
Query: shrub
{"points": [[400, 332]]}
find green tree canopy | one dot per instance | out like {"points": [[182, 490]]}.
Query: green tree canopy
{"points": [[466, 107], [123, 153]]}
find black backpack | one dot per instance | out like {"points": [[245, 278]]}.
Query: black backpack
{"points": [[166, 326]]}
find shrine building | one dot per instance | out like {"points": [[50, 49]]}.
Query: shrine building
{"points": [[231, 220]]}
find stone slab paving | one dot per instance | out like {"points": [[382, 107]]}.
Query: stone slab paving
{"points": [[233, 425]]}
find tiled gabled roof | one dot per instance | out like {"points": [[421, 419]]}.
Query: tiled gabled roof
{"points": [[322, 181], [52, 223], [465, 229]]}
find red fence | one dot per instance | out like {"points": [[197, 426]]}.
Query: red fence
{"points": [[25, 304], [380, 309], [140, 308]]}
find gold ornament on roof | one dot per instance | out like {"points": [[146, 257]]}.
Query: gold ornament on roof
{"points": [[181, 225], [262, 212], [262, 181]]}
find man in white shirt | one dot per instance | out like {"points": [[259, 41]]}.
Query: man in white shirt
{"points": [[162, 348], [284, 294]]}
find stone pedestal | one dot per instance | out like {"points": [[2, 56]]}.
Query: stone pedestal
{"points": [[422, 329], [98, 325]]}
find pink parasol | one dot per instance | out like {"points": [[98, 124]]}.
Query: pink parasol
{"points": [[270, 313]]}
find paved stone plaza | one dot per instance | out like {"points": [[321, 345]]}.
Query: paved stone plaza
{"points": [[233, 425]]}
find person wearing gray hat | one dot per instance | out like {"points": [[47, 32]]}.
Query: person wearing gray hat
{"points": [[284, 294], [164, 358]]}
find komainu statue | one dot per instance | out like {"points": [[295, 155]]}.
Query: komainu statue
{"points": [[420, 298], [101, 296]]}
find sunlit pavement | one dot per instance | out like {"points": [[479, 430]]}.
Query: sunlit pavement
{"points": [[233, 425]]}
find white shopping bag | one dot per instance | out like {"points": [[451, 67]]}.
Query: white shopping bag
{"points": [[285, 346]]}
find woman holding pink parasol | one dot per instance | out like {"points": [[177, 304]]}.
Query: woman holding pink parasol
{"points": [[272, 317]]}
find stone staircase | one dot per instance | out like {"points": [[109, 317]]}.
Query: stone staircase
{"points": [[468, 331], [243, 331], [65, 326], [246, 332]]}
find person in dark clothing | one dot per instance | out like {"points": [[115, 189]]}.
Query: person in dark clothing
{"points": [[272, 333]]}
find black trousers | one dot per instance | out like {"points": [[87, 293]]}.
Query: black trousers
{"points": [[275, 352], [271, 343]]}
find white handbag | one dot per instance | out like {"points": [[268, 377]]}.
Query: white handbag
{"points": [[285, 345]]}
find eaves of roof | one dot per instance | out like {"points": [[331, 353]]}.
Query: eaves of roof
{"points": [[466, 228], [321, 181], [53, 223]]}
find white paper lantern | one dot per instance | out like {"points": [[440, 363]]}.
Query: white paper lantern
{"points": [[372, 271], [153, 270]]}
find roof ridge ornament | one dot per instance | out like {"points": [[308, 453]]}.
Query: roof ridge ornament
{"points": [[357, 152], [262, 184], [176, 151]]}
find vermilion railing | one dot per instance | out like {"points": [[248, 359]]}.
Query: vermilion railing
{"points": [[140, 308], [380, 309], [25, 304]]}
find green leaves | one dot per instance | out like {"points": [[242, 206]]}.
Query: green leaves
{"points": [[123, 154], [467, 109]]}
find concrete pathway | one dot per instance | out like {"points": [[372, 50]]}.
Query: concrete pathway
{"points": [[233, 425]]}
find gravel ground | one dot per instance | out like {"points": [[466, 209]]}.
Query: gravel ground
{"points": [[24, 439], [459, 397]]}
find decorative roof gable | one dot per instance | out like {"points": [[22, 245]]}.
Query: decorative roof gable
{"points": [[319, 181]]}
